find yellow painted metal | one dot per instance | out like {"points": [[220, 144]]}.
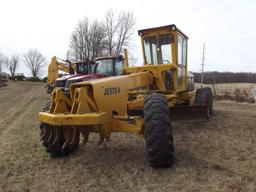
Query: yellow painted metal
{"points": [[175, 62], [185, 80], [186, 96], [80, 102], [59, 102], [157, 72], [127, 125], [126, 63], [53, 69], [136, 104], [183, 86], [62, 119], [143, 50]]}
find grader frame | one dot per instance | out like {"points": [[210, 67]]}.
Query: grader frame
{"points": [[117, 104]]}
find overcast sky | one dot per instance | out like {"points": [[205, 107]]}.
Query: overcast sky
{"points": [[226, 26]]}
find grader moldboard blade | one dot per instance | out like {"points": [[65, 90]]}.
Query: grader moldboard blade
{"points": [[184, 112]]}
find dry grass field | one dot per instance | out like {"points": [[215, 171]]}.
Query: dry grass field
{"points": [[230, 85], [240, 92], [214, 155]]}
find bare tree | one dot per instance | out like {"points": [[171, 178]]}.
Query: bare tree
{"points": [[12, 64], [107, 37], [86, 40], [96, 39], [34, 61], [2, 60], [79, 41], [111, 27], [118, 31]]}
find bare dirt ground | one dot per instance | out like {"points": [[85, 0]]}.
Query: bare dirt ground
{"points": [[214, 155]]}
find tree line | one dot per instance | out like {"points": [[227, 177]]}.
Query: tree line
{"points": [[32, 59], [225, 77]]}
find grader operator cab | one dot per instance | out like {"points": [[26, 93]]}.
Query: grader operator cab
{"points": [[137, 102]]}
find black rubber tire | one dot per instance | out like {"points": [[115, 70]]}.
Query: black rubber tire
{"points": [[204, 97], [71, 148], [43, 126], [56, 150], [158, 131]]}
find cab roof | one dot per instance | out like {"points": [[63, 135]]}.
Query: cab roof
{"points": [[108, 57], [171, 27]]}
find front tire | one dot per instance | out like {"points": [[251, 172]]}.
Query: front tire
{"points": [[158, 131], [56, 150]]}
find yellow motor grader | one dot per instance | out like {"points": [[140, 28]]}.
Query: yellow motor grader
{"points": [[139, 101]]}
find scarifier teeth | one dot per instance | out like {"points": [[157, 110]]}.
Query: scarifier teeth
{"points": [[64, 146], [51, 134], [57, 136], [73, 138], [67, 140], [85, 133], [101, 135], [43, 135], [101, 139]]}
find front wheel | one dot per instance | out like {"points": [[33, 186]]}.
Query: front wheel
{"points": [[53, 138], [158, 131]]}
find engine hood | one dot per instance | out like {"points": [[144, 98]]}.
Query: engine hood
{"points": [[82, 79], [65, 77], [87, 77]]}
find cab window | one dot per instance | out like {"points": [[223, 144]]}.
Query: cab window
{"points": [[158, 49], [118, 67], [182, 50], [82, 68], [182, 56], [105, 67]]}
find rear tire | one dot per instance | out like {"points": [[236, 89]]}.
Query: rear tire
{"points": [[158, 131], [204, 97]]}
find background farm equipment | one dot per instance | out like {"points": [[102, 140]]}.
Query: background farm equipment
{"points": [[3, 79]]}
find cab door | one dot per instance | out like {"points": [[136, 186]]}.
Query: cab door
{"points": [[182, 62]]}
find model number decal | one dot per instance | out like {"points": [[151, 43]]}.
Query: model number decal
{"points": [[112, 91]]}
